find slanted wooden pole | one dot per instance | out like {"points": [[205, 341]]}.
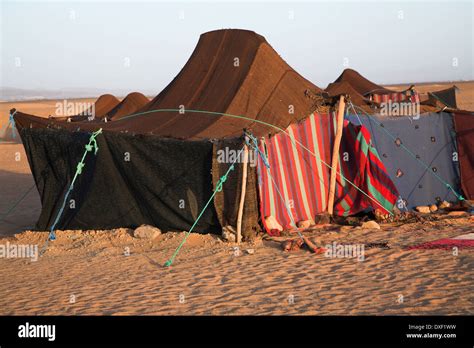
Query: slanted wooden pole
{"points": [[335, 154], [238, 237]]}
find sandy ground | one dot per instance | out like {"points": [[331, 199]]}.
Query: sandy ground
{"points": [[91, 268], [35, 107], [89, 273]]}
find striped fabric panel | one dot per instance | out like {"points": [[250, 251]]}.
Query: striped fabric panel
{"points": [[362, 165], [296, 185], [411, 96]]}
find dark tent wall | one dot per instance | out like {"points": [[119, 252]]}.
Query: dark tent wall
{"points": [[164, 183], [227, 201], [431, 139], [464, 123], [445, 97]]}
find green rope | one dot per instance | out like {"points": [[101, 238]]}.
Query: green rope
{"points": [[88, 148], [219, 185]]}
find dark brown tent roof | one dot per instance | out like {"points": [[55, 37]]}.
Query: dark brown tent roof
{"points": [[445, 97], [345, 88], [104, 104], [230, 71], [362, 85], [130, 104]]}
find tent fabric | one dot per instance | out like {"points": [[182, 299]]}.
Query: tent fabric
{"points": [[131, 103], [430, 140], [397, 97], [227, 201], [464, 125], [297, 182], [362, 85], [445, 97], [259, 85], [345, 88], [102, 106], [151, 187]]}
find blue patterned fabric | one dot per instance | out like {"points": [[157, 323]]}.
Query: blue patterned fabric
{"points": [[420, 155]]}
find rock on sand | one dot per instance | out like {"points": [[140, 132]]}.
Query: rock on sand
{"points": [[146, 232]]}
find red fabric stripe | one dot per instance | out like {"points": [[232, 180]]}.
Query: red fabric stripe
{"points": [[282, 205], [281, 212], [294, 189], [309, 172]]}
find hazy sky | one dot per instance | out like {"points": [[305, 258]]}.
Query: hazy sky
{"points": [[142, 45]]}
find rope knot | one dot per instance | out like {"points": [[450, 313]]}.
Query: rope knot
{"points": [[80, 165], [256, 148], [221, 182]]}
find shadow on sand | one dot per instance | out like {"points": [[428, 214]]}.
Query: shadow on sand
{"points": [[20, 204]]}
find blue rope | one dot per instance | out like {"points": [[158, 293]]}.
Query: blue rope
{"points": [[11, 122], [255, 141]]}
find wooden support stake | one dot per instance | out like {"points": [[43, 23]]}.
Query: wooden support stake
{"points": [[335, 154], [238, 237]]}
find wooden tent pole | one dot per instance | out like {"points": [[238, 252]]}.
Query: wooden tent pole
{"points": [[238, 237], [335, 154]]}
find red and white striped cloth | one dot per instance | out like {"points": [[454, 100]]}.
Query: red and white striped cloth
{"points": [[296, 186]]}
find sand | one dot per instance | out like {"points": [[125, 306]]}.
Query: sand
{"points": [[91, 268], [207, 278], [36, 107]]}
